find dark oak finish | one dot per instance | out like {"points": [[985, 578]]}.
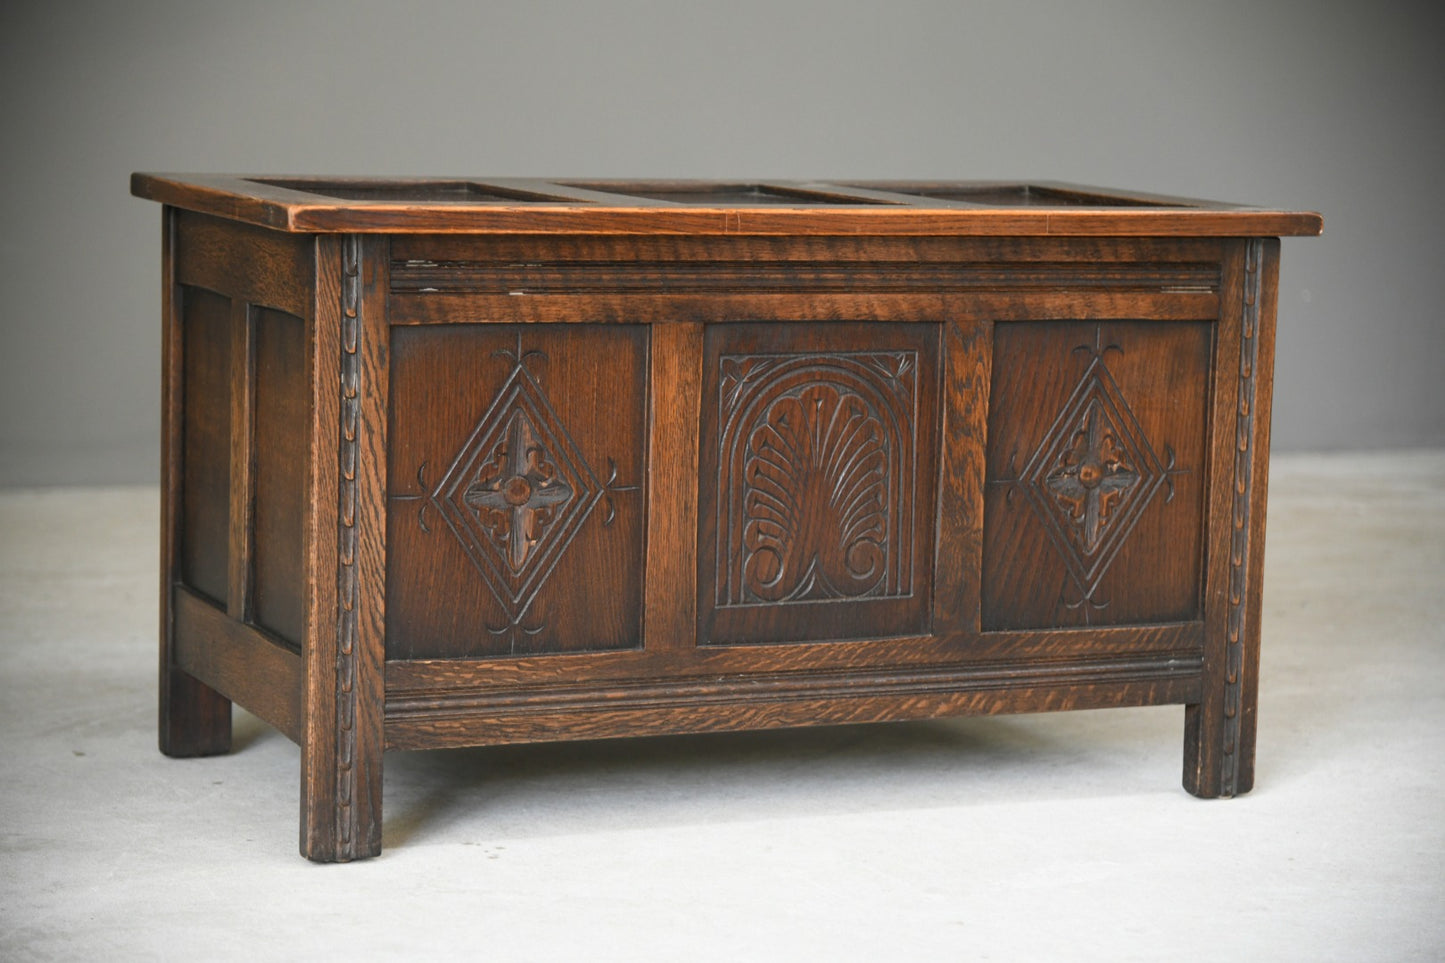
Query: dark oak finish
{"points": [[260, 674], [578, 207], [206, 445], [194, 719], [670, 604], [816, 474], [454, 462], [1094, 494], [515, 510], [281, 417]]}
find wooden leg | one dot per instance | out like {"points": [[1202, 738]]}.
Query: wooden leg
{"points": [[341, 751], [195, 720], [1219, 732], [1218, 756], [340, 795]]}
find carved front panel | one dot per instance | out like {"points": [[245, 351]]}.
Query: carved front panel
{"points": [[1094, 497], [820, 438], [515, 506]]}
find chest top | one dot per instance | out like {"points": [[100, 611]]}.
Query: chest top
{"points": [[834, 208]]}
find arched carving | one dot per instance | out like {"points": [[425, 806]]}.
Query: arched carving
{"points": [[816, 477]]}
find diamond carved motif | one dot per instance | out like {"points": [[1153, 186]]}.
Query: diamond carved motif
{"points": [[1092, 476], [517, 493]]}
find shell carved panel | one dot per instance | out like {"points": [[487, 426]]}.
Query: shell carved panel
{"points": [[815, 455]]}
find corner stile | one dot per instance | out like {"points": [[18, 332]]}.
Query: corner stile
{"points": [[341, 781], [1220, 732], [1239, 522]]}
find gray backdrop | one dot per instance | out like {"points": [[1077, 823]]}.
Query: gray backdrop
{"points": [[1325, 106]]}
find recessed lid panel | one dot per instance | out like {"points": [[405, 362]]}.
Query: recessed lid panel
{"points": [[1024, 195], [324, 205], [720, 195], [409, 192]]}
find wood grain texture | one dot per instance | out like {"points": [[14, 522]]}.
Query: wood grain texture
{"points": [[362, 681], [319, 745], [1220, 731], [818, 481], [719, 275], [341, 753], [705, 209], [525, 459], [637, 256], [767, 308], [242, 460], [958, 552], [1179, 641], [1096, 470], [456, 719], [440, 280], [245, 263], [206, 442], [670, 604], [517, 504], [246, 665], [194, 719], [282, 414]]}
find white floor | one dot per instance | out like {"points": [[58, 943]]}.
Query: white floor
{"points": [[1058, 837]]}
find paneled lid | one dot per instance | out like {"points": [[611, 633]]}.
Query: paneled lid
{"points": [[581, 206]]}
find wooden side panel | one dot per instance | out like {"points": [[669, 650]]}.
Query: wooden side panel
{"points": [[194, 719], [516, 506], [206, 442], [247, 263], [282, 413], [216, 273], [239, 661], [817, 481], [242, 460], [1096, 474]]}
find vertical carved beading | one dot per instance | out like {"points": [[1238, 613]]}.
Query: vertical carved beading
{"points": [[1239, 537], [347, 589]]}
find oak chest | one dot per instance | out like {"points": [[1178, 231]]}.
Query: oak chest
{"points": [[464, 462]]}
